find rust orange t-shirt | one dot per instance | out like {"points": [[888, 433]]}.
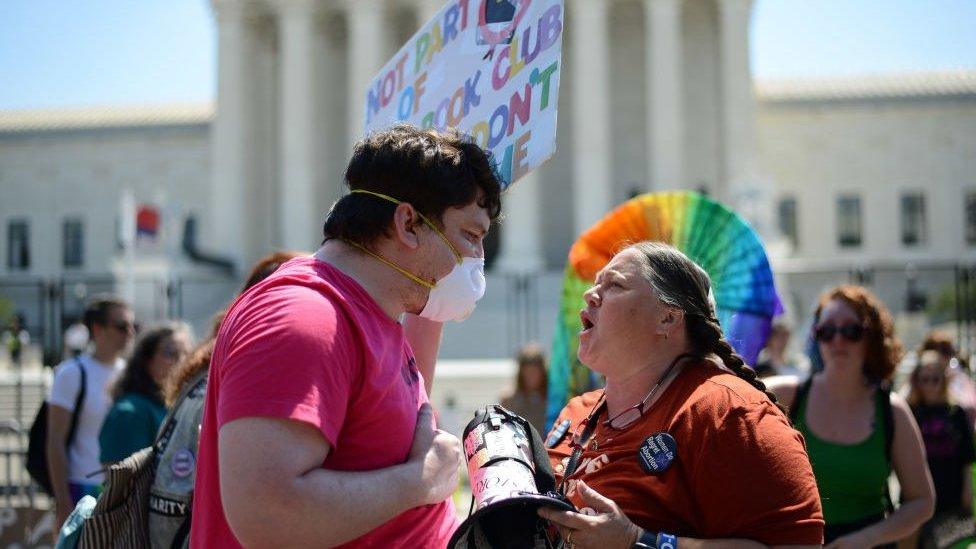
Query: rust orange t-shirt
{"points": [[740, 469]]}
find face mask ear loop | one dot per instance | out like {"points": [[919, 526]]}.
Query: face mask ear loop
{"points": [[392, 265], [457, 254]]}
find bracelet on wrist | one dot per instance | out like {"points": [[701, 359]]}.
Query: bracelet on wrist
{"points": [[660, 540], [667, 541]]}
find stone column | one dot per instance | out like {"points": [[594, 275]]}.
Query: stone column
{"points": [[665, 112], [738, 105], [521, 246], [589, 56], [233, 140], [299, 144], [367, 33]]}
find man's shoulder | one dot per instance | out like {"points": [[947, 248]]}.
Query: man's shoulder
{"points": [[287, 298], [68, 368]]}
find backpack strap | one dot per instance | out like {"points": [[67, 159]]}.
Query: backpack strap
{"points": [[171, 414], [799, 399], [180, 539], [79, 402]]}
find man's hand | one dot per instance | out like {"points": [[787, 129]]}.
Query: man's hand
{"points": [[435, 456]]}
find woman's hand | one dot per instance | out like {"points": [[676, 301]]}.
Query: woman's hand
{"points": [[599, 525]]}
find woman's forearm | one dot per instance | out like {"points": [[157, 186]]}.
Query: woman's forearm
{"points": [[901, 523]]}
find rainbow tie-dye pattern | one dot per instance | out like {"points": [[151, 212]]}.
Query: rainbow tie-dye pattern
{"points": [[711, 234]]}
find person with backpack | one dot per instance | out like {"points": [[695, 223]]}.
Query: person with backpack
{"points": [[856, 431], [79, 402]]}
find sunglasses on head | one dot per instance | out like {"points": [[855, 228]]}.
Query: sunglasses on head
{"points": [[851, 332]]}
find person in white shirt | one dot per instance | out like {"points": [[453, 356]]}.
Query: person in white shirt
{"points": [[75, 470]]}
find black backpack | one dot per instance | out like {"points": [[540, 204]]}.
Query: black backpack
{"points": [[37, 441]]}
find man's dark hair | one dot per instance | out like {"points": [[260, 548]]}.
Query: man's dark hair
{"points": [[431, 170], [97, 310]]}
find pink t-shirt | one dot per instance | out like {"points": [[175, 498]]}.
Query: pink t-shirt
{"points": [[309, 344]]}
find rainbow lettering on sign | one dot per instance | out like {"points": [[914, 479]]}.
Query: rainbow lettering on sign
{"points": [[504, 92]]}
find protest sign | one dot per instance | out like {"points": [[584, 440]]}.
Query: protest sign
{"points": [[487, 67]]}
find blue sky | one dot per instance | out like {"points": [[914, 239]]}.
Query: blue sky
{"points": [[102, 52]]}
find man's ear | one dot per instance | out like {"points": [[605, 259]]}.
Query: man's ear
{"points": [[405, 222]]}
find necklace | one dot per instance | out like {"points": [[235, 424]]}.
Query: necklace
{"points": [[636, 411], [589, 427]]}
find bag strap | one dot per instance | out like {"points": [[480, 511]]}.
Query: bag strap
{"points": [[79, 402], [171, 414], [179, 540], [800, 399]]}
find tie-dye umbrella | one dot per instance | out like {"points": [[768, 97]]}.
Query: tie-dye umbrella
{"points": [[711, 234]]}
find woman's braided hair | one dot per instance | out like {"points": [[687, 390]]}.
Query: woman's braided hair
{"points": [[681, 283]]}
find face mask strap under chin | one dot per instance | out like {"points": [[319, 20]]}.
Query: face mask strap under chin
{"points": [[457, 255], [392, 265]]}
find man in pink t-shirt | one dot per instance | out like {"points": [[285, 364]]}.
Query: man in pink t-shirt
{"points": [[316, 430]]}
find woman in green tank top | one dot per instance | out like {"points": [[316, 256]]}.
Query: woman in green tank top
{"points": [[856, 432]]}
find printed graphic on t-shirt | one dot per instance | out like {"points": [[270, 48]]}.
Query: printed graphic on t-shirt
{"points": [[409, 371], [587, 466], [939, 437]]}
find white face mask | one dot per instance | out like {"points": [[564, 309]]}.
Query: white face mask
{"points": [[455, 296]]}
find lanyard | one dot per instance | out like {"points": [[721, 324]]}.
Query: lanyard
{"points": [[594, 417], [591, 422]]}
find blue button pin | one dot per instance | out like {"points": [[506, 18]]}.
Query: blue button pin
{"points": [[657, 453]]}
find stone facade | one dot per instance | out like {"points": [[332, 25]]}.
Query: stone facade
{"points": [[51, 174], [879, 144], [656, 95]]}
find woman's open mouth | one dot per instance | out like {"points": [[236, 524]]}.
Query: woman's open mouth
{"points": [[586, 322]]}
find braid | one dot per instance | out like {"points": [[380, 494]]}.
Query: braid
{"points": [[706, 335], [681, 283]]}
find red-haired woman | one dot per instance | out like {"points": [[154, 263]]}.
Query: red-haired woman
{"points": [[856, 431]]}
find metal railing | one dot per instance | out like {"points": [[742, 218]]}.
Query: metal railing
{"points": [[17, 489]]}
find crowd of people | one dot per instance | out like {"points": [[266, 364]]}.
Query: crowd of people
{"points": [[306, 407]]}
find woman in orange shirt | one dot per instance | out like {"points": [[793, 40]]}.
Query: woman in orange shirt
{"points": [[683, 447]]}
